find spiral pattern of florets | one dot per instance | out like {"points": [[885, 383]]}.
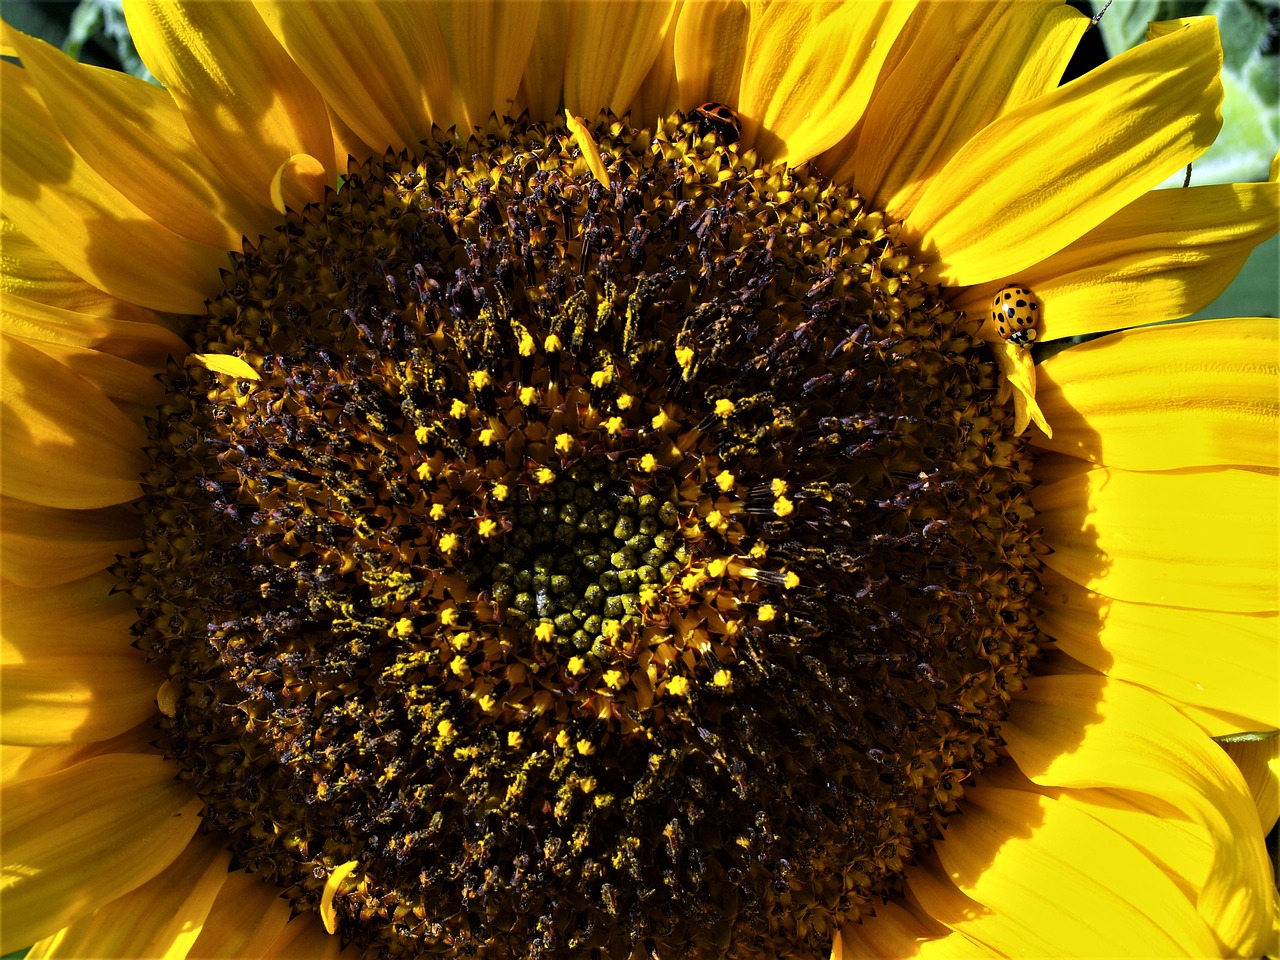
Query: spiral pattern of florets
{"points": [[607, 570]]}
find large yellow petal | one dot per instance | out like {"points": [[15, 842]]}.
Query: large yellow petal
{"points": [[488, 46], [710, 45], [1166, 255], [1088, 731], [110, 823], [305, 939], [1031, 865], [134, 388], [29, 272], [543, 85], [83, 221], [1163, 397], [1167, 649], [249, 915], [659, 93], [1045, 174], [70, 674], [336, 45], [52, 700], [609, 50], [810, 69], [1197, 538], [967, 65], [43, 546], [894, 932], [132, 134], [27, 763], [930, 891], [148, 344], [93, 607], [1259, 764], [1182, 847], [65, 444], [161, 918], [248, 105]]}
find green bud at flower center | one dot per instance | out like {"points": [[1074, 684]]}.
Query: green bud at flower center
{"points": [[606, 571]]}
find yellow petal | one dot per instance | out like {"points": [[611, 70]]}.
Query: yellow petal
{"points": [[70, 672], [710, 44], [93, 607], [659, 93], [1163, 649], [1204, 539], [1033, 864], [1217, 723], [305, 939], [147, 344], [58, 700], [895, 933], [1167, 254], [488, 46], [134, 388], [108, 824], [248, 105], [299, 180], [29, 272], [43, 546], [161, 918], [132, 134], [346, 144], [248, 916], [587, 144], [66, 445], [336, 44], [1019, 382], [930, 891], [966, 65], [1045, 174], [1088, 731], [27, 763], [543, 84], [609, 49], [225, 364], [328, 913], [1259, 764], [1158, 398], [810, 69], [70, 210], [1182, 848]]}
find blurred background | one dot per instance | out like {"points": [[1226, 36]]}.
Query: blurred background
{"points": [[94, 31]]}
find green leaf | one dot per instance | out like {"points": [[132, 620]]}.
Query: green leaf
{"points": [[86, 20]]}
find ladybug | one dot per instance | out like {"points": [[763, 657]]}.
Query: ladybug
{"points": [[716, 118], [1016, 313]]}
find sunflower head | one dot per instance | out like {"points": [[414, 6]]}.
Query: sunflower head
{"points": [[627, 566]]}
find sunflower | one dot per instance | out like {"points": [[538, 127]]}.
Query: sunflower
{"points": [[607, 505]]}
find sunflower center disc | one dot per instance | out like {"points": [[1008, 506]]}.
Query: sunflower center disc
{"points": [[605, 571]]}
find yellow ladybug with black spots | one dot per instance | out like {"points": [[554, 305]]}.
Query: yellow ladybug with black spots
{"points": [[1016, 313]]}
